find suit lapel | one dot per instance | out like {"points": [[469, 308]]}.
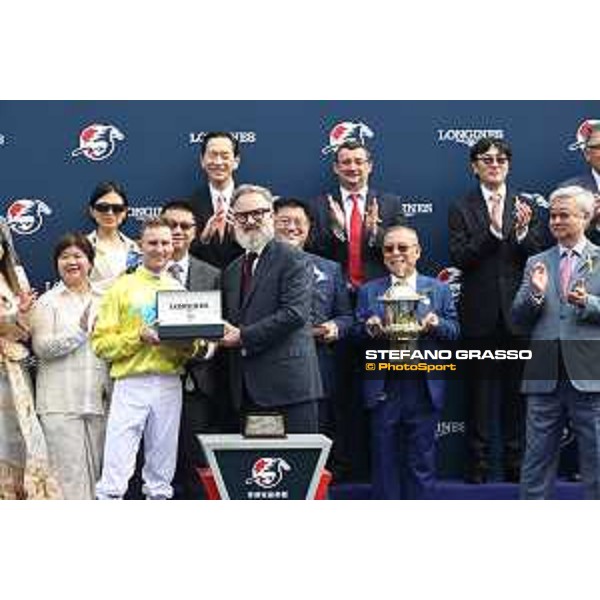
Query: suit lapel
{"points": [[424, 287], [553, 267], [507, 214], [588, 262], [479, 209]]}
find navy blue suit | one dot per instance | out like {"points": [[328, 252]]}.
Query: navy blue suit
{"points": [[330, 302], [406, 410]]}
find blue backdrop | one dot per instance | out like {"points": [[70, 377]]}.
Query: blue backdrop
{"points": [[53, 153]]}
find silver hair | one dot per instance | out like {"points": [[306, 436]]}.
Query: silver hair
{"points": [[583, 198], [247, 188]]}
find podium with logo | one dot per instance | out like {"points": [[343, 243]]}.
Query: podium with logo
{"points": [[287, 468]]}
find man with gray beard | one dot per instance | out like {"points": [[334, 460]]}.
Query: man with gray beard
{"points": [[267, 296]]}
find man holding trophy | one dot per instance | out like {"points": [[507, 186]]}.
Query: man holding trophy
{"points": [[404, 411], [146, 400]]}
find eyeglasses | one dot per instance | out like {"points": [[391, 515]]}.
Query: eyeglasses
{"points": [[289, 222], [593, 147], [104, 207], [257, 215], [183, 225], [389, 248], [490, 160]]}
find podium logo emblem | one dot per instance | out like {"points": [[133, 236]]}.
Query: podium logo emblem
{"points": [[27, 216], [98, 142], [268, 472], [347, 131]]}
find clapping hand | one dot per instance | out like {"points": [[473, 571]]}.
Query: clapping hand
{"points": [[336, 212], [372, 219], [539, 278], [216, 223], [84, 320], [578, 295], [523, 214]]}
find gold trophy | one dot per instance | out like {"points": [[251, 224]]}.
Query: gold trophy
{"points": [[400, 323]]}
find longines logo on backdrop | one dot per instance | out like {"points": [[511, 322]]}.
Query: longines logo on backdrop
{"points": [[413, 207], [98, 141], [2, 140], [26, 216], [243, 137], [347, 131], [468, 137], [445, 428]]}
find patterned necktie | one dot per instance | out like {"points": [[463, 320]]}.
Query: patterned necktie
{"points": [[565, 271], [496, 208], [176, 271], [355, 266], [247, 274]]}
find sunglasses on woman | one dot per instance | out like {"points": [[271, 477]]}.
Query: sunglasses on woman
{"points": [[116, 209]]}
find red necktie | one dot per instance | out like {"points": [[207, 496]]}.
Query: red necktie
{"points": [[247, 274], [355, 266]]}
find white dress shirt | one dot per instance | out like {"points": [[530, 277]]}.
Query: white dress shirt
{"points": [[348, 204], [226, 194]]}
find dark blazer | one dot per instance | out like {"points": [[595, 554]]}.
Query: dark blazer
{"points": [[323, 242], [491, 268], [440, 302], [217, 253], [330, 302], [277, 360], [330, 298], [587, 182], [201, 277]]}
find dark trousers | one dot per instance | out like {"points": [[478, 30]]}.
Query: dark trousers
{"points": [[403, 442], [489, 381]]}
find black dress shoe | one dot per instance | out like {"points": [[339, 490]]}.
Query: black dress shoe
{"points": [[476, 476]]}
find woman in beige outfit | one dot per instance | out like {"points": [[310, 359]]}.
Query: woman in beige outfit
{"points": [[72, 383]]}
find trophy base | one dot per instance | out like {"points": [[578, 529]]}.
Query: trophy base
{"points": [[191, 332], [403, 344]]}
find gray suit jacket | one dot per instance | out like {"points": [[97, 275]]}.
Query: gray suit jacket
{"points": [[559, 329], [277, 360], [200, 376]]}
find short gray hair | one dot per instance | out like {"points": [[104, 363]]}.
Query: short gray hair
{"points": [[583, 198], [247, 188]]}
